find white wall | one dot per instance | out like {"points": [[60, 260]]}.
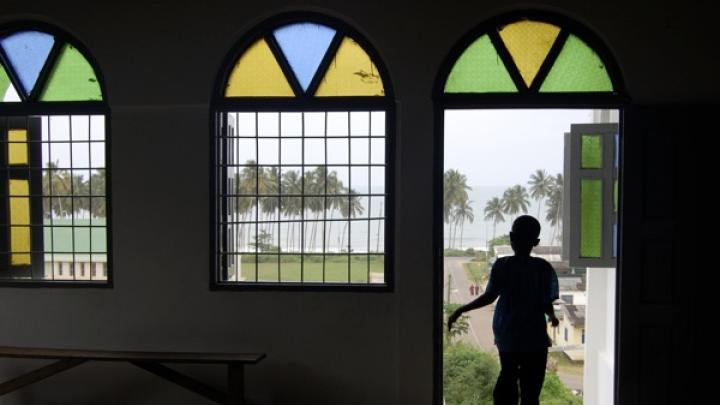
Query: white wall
{"points": [[599, 337]]}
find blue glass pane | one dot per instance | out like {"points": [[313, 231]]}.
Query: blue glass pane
{"points": [[27, 52], [617, 150], [304, 46], [615, 240]]}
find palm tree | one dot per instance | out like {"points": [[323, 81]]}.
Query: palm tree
{"points": [[334, 201], [269, 186], [540, 184], [351, 210], [515, 200], [97, 188], [494, 212], [463, 212], [57, 185], [554, 212], [291, 202], [245, 182], [455, 190]]}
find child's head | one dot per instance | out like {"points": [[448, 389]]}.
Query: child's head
{"points": [[524, 234]]}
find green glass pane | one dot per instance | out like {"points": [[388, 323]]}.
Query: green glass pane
{"points": [[591, 152], [7, 90], [577, 69], [590, 218], [479, 70], [71, 79], [4, 82]]}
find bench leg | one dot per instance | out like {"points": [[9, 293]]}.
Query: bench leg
{"points": [[236, 384]]}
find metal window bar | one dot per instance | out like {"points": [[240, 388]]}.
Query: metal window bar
{"points": [[234, 224]]}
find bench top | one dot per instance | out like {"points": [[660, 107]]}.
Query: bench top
{"points": [[106, 355]]}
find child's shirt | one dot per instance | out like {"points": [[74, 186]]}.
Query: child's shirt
{"points": [[526, 287]]}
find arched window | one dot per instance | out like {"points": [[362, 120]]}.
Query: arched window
{"points": [[302, 147], [504, 86], [53, 170]]}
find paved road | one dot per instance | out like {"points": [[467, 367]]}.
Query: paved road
{"points": [[480, 319], [481, 334]]}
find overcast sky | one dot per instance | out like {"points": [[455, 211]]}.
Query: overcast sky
{"points": [[503, 147]]}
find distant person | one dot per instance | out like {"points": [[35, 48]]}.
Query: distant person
{"points": [[527, 287]]}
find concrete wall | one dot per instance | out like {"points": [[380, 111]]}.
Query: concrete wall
{"points": [[159, 60]]}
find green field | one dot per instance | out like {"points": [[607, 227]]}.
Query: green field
{"points": [[336, 269]]}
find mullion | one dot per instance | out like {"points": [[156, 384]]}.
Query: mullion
{"points": [[90, 199], [325, 174], [549, 61], [370, 191], [350, 208], [302, 201], [508, 61], [284, 65], [278, 177], [235, 186], [46, 69], [220, 185], [257, 199], [14, 79], [72, 197], [34, 130], [50, 188], [325, 64], [4, 202]]}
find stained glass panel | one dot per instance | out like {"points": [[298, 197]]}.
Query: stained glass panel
{"points": [[479, 70], [577, 69], [257, 73], [27, 52], [72, 78], [351, 73], [529, 42], [591, 152], [591, 218], [304, 46]]}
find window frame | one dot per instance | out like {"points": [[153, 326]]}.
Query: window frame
{"points": [[222, 105], [618, 99], [32, 107]]}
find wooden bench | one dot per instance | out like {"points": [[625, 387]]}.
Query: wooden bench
{"points": [[148, 361]]}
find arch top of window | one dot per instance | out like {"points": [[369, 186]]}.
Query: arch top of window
{"points": [[40, 65], [528, 56], [304, 58]]}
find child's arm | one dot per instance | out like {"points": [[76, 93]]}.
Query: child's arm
{"points": [[487, 298], [550, 311]]}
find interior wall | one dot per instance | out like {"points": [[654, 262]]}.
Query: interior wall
{"points": [[159, 61]]}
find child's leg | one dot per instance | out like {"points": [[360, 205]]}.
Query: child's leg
{"points": [[506, 388], [532, 375]]}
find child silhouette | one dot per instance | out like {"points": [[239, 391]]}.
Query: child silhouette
{"points": [[527, 287]]}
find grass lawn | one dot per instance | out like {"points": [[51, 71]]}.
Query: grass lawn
{"points": [[338, 269], [476, 271]]}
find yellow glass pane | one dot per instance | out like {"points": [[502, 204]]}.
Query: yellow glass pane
{"points": [[258, 74], [19, 191], [17, 147], [529, 43], [351, 73], [20, 242]]}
